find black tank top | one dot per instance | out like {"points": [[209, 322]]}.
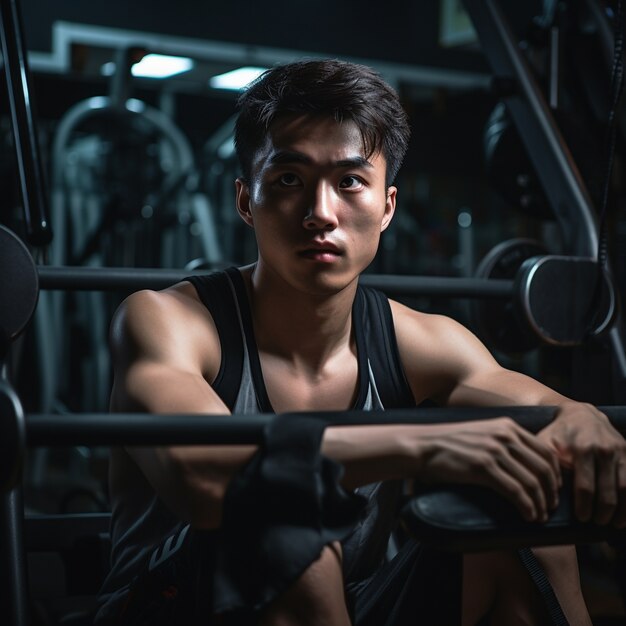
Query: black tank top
{"points": [[239, 382], [382, 384]]}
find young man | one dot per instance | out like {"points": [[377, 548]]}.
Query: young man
{"points": [[320, 144]]}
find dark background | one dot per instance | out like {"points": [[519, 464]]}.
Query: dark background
{"points": [[111, 170]]}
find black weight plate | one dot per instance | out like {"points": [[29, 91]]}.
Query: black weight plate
{"points": [[497, 322], [19, 285]]}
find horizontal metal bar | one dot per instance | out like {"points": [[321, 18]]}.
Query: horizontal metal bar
{"points": [[130, 279], [444, 286], [147, 429]]}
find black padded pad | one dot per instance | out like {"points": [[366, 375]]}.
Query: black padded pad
{"points": [[19, 286], [473, 519]]}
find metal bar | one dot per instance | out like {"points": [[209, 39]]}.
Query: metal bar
{"points": [[448, 287], [538, 130], [129, 279], [13, 578], [147, 429], [33, 188]]}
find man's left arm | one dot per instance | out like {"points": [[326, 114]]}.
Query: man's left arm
{"points": [[581, 435], [444, 358]]}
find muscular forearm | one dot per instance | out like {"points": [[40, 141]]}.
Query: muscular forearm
{"points": [[193, 480]]}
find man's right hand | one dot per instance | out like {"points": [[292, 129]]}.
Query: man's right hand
{"points": [[498, 454]]}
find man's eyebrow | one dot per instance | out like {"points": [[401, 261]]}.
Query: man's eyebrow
{"points": [[282, 157], [357, 161]]}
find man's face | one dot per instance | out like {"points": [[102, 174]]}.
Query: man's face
{"points": [[316, 204]]}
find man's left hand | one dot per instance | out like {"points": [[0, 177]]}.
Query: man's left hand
{"points": [[589, 445]]}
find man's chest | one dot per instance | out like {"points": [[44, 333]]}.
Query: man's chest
{"points": [[292, 388]]}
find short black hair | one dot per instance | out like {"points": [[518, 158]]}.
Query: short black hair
{"points": [[343, 90]]}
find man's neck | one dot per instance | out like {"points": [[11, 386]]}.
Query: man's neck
{"points": [[306, 329]]}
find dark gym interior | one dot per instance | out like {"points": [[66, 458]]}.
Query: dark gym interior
{"points": [[138, 172]]}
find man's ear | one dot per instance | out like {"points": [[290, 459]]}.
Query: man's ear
{"points": [[242, 191], [390, 207]]}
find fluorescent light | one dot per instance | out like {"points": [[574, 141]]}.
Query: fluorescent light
{"points": [[161, 66], [237, 79], [153, 66]]}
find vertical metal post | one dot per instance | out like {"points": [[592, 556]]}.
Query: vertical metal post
{"points": [[555, 166], [24, 131], [13, 579]]}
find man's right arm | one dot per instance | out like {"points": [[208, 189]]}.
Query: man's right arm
{"points": [[164, 348]]}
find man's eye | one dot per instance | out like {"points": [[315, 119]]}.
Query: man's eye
{"points": [[350, 182], [289, 180]]}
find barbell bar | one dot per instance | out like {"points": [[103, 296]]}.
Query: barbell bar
{"points": [[115, 429], [71, 278]]}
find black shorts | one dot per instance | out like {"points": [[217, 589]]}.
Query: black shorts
{"points": [[418, 587], [175, 589]]}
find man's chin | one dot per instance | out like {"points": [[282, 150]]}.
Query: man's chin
{"points": [[328, 283]]}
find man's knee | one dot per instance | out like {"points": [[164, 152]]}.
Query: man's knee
{"points": [[315, 598], [496, 584]]}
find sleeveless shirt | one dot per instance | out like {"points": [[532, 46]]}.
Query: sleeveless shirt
{"points": [[239, 383]]}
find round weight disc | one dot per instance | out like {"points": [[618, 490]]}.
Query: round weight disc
{"points": [[19, 285], [497, 322]]}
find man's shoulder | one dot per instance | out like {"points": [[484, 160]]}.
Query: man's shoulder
{"points": [[173, 303], [149, 317], [429, 338], [409, 320], [437, 349]]}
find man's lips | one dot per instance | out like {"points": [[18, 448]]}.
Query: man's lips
{"points": [[323, 252], [329, 248]]}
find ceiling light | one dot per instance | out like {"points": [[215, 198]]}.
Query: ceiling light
{"points": [[161, 66], [153, 66], [237, 79]]}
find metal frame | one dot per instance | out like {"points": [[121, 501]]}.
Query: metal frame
{"points": [[126, 278], [139, 429], [555, 166], [558, 173], [23, 124], [66, 34], [134, 429]]}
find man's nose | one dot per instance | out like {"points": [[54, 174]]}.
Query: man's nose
{"points": [[322, 210]]}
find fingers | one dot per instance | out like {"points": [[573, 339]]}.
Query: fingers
{"points": [[525, 489], [584, 485], [545, 452], [606, 484], [522, 469], [619, 519], [513, 490], [600, 487], [535, 466]]}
